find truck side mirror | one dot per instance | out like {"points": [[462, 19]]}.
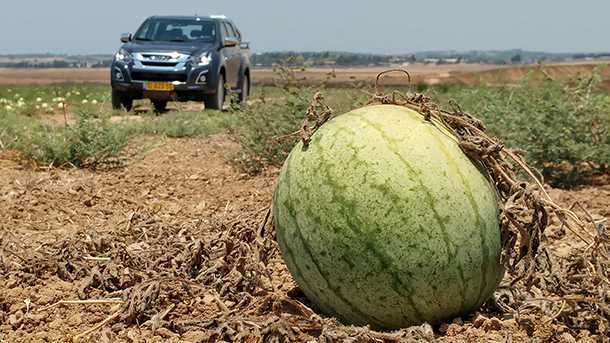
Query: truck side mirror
{"points": [[126, 37], [230, 42]]}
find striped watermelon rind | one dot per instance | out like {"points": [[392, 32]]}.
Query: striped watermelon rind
{"points": [[384, 221]]}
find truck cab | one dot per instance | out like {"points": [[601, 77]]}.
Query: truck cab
{"points": [[181, 58]]}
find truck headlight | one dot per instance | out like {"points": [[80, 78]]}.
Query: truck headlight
{"points": [[123, 56], [203, 59]]}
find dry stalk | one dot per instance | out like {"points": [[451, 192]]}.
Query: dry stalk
{"points": [[318, 113], [97, 326], [82, 302]]}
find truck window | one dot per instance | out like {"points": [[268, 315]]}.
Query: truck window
{"points": [[178, 30], [236, 31], [230, 29], [226, 32], [194, 32]]}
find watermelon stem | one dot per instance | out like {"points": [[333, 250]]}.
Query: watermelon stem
{"points": [[318, 113]]}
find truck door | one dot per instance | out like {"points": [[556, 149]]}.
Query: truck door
{"points": [[231, 54]]}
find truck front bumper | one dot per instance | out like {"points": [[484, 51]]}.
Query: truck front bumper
{"points": [[188, 84]]}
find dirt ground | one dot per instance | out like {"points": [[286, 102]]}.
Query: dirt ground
{"points": [[174, 244]]}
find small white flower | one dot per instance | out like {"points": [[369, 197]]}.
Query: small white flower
{"points": [[94, 101], [77, 93], [45, 105], [8, 108], [60, 105], [85, 101], [16, 96], [37, 107], [38, 99]]}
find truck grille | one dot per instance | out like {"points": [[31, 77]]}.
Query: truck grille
{"points": [[159, 64], [146, 76], [160, 58]]}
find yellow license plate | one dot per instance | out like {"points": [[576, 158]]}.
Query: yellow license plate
{"points": [[159, 86]]}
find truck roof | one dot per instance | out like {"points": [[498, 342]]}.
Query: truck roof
{"points": [[192, 17]]}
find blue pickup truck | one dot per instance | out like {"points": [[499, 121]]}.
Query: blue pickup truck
{"points": [[172, 58]]}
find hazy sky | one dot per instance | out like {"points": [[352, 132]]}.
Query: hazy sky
{"points": [[380, 26]]}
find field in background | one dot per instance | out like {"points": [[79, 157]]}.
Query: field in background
{"points": [[259, 76], [469, 74], [164, 211]]}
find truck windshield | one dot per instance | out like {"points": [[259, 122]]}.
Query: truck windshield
{"points": [[177, 30]]}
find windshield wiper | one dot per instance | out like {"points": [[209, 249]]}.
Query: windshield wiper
{"points": [[177, 40], [145, 39]]}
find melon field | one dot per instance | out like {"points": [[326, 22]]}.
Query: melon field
{"points": [[148, 227]]}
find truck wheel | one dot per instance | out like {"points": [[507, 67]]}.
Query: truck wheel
{"points": [[121, 100], [160, 106], [244, 88], [216, 101]]}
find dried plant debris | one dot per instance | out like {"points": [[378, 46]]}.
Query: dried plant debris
{"points": [[231, 268], [229, 275]]}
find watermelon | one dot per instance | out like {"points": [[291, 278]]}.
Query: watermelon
{"points": [[383, 221]]}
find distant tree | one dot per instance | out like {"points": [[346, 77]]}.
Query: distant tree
{"points": [[516, 58]]}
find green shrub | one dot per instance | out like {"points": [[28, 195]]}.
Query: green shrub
{"points": [[267, 131], [93, 139], [88, 142], [559, 125]]}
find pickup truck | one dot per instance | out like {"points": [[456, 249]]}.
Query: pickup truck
{"points": [[180, 58]]}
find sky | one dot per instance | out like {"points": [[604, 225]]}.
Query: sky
{"points": [[372, 26]]}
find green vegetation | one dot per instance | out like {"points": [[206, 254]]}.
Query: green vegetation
{"points": [[561, 127], [94, 140], [33, 120], [86, 143], [269, 129]]}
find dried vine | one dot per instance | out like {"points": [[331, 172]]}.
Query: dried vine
{"points": [[318, 113]]}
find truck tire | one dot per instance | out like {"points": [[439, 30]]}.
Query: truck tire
{"points": [[217, 100], [244, 89], [121, 100]]}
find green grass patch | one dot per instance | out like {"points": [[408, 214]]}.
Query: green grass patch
{"points": [[94, 139], [88, 142]]}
